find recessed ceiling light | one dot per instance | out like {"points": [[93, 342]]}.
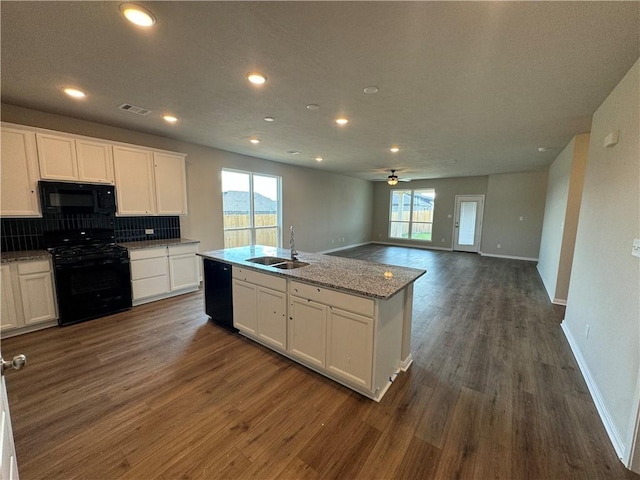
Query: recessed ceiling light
{"points": [[75, 93], [394, 149], [313, 106], [319, 159], [269, 119], [138, 15], [256, 78], [342, 121], [370, 90], [170, 118], [254, 140], [293, 152], [542, 149]]}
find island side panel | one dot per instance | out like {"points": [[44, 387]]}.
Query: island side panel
{"points": [[388, 343], [407, 359]]}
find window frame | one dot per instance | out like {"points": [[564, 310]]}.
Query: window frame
{"points": [[252, 227], [410, 222]]}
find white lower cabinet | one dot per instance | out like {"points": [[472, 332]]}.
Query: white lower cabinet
{"points": [[350, 346], [161, 272], [260, 306], [183, 267], [28, 299], [9, 311], [354, 340], [272, 317], [245, 307], [307, 330]]}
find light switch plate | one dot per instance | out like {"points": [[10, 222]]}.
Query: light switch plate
{"points": [[635, 249]]}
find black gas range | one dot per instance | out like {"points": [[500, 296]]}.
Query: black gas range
{"points": [[92, 273]]}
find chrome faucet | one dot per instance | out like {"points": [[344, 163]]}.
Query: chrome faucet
{"points": [[292, 246]]}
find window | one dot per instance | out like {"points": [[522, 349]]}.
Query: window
{"points": [[251, 209], [411, 215]]}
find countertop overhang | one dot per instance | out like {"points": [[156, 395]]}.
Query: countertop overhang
{"points": [[359, 277]]}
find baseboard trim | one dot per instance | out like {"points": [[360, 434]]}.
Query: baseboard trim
{"points": [[605, 416], [423, 247], [510, 257], [406, 363], [344, 247]]}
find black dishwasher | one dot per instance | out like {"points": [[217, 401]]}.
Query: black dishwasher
{"points": [[218, 300]]}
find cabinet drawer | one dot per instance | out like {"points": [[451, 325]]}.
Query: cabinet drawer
{"points": [[351, 303], [262, 279], [183, 249], [148, 287], [39, 266], [139, 254], [148, 267]]}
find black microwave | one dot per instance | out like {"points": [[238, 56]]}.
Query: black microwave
{"points": [[62, 197]]}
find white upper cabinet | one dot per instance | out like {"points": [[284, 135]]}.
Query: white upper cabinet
{"points": [[149, 183], [19, 174], [67, 158], [135, 190], [170, 182], [95, 161]]}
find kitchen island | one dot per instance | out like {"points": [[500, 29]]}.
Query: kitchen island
{"points": [[347, 319]]}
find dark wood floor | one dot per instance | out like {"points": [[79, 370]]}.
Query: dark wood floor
{"points": [[160, 392]]}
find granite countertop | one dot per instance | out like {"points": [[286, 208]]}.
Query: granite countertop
{"points": [[24, 256], [359, 277], [157, 243]]}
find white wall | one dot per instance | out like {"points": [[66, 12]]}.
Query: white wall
{"points": [[446, 191], [561, 212], [604, 292], [509, 197]]}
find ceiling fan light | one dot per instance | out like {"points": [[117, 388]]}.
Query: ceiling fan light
{"points": [[392, 180]]}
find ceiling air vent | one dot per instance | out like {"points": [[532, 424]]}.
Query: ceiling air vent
{"points": [[127, 107]]}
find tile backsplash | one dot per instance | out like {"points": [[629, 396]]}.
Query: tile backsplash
{"points": [[27, 233], [131, 229]]}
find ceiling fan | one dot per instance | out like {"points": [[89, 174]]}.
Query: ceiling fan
{"points": [[393, 179]]}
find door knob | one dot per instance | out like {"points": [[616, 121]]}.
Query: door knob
{"points": [[18, 362]]}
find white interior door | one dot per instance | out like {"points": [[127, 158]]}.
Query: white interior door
{"points": [[467, 227], [9, 464]]}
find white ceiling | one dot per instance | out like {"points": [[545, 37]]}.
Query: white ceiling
{"points": [[465, 88]]}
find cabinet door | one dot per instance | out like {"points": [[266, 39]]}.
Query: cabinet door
{"points": [[95, 162], [350, 346], [37, 297], [245, 312], [170, 183], [307, 330], [183, 271], [272, 317], [134, 181], [57, 157], [9, 318], [19, 174]]}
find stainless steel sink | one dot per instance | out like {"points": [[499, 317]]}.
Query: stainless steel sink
{"points": [[266, 260], [290, 265], [277, 262]]}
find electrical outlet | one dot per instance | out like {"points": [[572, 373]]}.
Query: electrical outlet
{"points": [[148, 231], [586, 331], [635, 249], [499, 246], [521, 218], [443, 240]]}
